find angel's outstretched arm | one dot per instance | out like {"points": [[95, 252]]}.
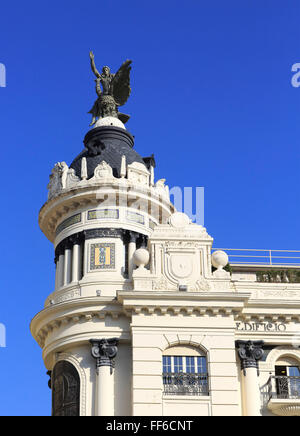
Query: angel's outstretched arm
{"points": [[93, 66]]}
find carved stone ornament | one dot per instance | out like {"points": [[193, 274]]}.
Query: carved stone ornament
{"points": [[103, 170], [179, 220], [250, 352], [104, 351], [57, 179], [137, 173], [71, 178], [161, 188], [201, 285], [161, 284], [181, 266]]}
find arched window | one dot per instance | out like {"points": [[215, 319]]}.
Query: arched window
{"points": [[185, 371], [65, 385], [287, 376]]}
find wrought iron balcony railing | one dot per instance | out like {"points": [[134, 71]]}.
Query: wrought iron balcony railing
{"points": [[284, 387], [185, 383]]}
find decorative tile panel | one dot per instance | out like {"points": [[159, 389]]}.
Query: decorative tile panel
{"points": [[102, 256], [75, 219], [135, 217], [99, 214]]}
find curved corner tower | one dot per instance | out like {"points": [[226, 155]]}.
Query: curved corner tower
{"points": [[100, 210]]}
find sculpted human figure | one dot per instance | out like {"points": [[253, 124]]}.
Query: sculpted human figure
{"points": [[114, 93]]}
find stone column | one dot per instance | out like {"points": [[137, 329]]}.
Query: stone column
{"points": [[104, 351], [250, 352], [76, 261], [56, 272], [60, 273], [68, 265]]}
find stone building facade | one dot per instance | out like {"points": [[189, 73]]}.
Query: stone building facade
{"points": [[144, 319]]}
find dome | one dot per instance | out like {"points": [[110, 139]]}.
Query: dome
{"points": [[109, 144], [109, 121]]}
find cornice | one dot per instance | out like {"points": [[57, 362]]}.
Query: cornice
{"points": [[254, 285], [190, 296], [193, 303], [72, 311], [75, 198]]}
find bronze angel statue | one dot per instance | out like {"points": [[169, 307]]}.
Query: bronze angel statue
{"points": [[115, 91]]}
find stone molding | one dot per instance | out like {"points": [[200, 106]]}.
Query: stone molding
{"points": [[179, 303], [266, 317], [71, 199], [279, 352], [181, 339]]}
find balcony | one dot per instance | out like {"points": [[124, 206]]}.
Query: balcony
{"points": [[264, 265], [284, 395], [185, 384]]}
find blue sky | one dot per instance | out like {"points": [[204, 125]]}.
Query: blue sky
{"points": [[211, 98]]}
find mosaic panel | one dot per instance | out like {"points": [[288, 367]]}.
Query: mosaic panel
{"points": [[103, 214], [135, 217], [102, 256], [68, 222]]}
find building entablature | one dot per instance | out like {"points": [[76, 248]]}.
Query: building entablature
{"points": [[113, 198]]}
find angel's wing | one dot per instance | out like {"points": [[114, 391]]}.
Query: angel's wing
{"points": [[121, 83]]}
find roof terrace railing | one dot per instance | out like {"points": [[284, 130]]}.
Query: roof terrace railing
{"points": [[261, 257]]}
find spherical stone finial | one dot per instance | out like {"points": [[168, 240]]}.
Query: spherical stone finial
{"points": [[141, 257], [109, 121], [219, 259], [179, 220]]}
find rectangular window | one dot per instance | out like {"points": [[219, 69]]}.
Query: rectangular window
{"points": [[167, 369], [293, 371], [294, 388], [201, 365], [178, 366], [167, 364], [190, 365]]}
